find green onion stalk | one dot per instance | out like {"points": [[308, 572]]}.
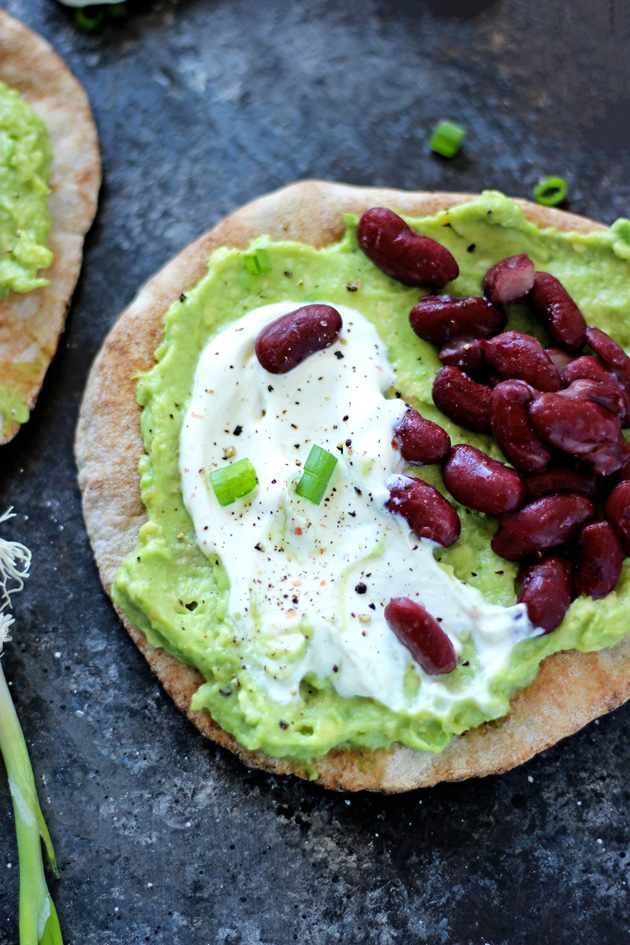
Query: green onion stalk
{"points": [[39, 924]]}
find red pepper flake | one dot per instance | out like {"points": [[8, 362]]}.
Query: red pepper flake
{"points": [[297, 530]]}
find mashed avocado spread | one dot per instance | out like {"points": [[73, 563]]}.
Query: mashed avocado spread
{"points": [[25, 159], [180, 597]]}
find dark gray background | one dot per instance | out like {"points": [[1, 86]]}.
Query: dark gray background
{"points": [[160, 836]]}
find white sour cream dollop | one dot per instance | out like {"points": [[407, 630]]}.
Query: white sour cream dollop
{"points": [[308, 583]]}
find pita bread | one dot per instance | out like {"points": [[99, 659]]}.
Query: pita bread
{"points": [[30, 324], [571, 688]]}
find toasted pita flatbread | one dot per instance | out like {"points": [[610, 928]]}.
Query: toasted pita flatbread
{"points": [[30, 324], [570, 689]]}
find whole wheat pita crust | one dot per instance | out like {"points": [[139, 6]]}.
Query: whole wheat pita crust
{"points": [[30, 324], [570, 690]]}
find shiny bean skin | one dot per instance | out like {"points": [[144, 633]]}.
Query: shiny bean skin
{"points": [[422, 635], [591, 368], [509, 420], [514, 355], [482, 483], [561, 359], [612, 354], [509, 280], [287, 341], [440, 318], [421, 441], [540, 525], [609, 396], [464, 353], [403, 254], [561, 479], [558, 312], [617, 512], [599, 560], [547, 591], [581, 428], [462, 400], [427, 513]]}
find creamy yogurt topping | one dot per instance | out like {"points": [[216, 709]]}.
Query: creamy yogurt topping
{"points": [[308, 583]]}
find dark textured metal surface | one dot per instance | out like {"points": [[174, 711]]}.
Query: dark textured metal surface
{"points": [[161, 837]]}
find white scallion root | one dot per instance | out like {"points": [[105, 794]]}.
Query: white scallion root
{"points": [[15, 561]]}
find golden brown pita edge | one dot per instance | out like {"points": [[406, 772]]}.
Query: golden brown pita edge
{"points": [[570, 690], [30, 324]]}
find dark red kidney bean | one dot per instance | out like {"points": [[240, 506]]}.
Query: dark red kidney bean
{"points": [[482, 483], [545, 523], [612, 354], [427, 513], [420, 440], [439, 318], [509, 420], [514, 355], [557, 310], [561, 479], [547, 591], [599, 560], [609, 396], [509, 280], [580, 428], [617, 512], [462, 400], [624, 473], [405, 255], [561, 359], [464, 353], [287, 341], [587, 367], [422, 635]]}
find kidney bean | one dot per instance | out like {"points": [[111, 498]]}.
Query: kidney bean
{"points": [[591, 368], [519, 356], [482, 483], [609, 396], [561, 479], [287, 341], [545, 523], [617, 512], [547, 591], [427, 513], [462, 400], [464, 353], [509, 280], [405, 255], [439, 318], [422, 635], [509, 420], [420, 440], [581, 428], [612, 354], [557, 310], [561, 359], [599, 559]]}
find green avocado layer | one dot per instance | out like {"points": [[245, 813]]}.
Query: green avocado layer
{"points": [[178, 597], [25, 159]]}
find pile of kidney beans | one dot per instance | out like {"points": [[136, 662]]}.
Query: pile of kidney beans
{"points": [[556, 413]]}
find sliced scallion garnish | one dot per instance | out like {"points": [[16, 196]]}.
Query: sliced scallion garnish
{"points": [[318, 469], [89, 19], [447, 138], [257, 262], [234, 481], [550, 191]]}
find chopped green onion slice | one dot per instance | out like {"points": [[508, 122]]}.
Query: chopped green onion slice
{"points": [[447, 138], [118, 10], [258, 262], [550, 191], [318, 469], [251, 264], [89, 19], [234, 481], [262, 258]]}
